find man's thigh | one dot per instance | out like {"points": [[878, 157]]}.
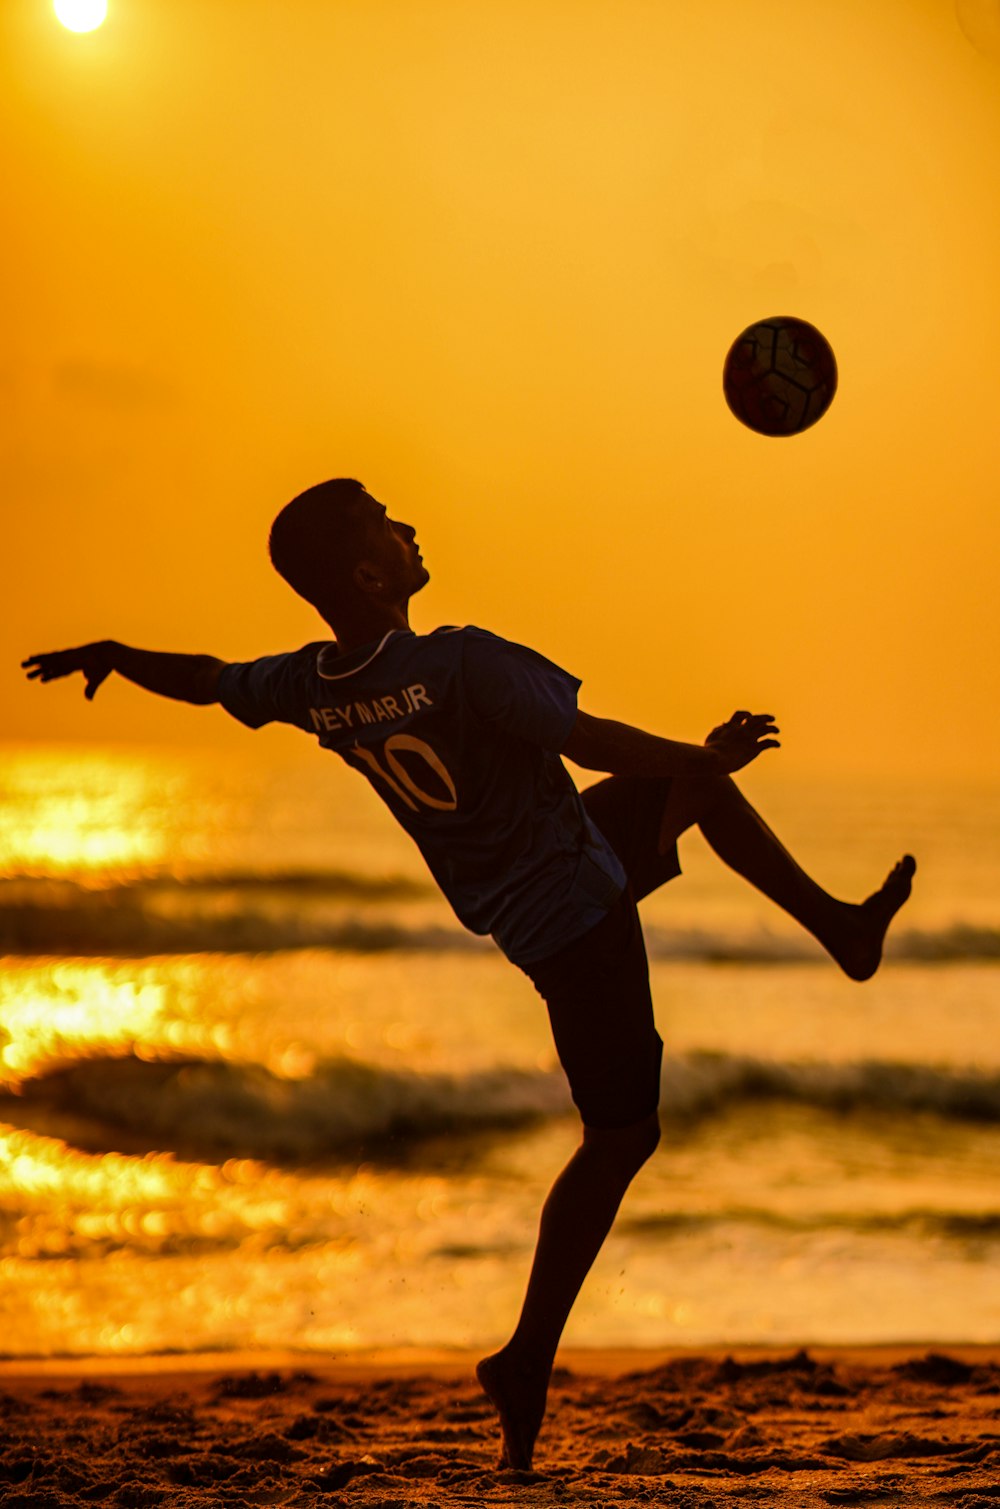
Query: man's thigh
{"points": [[629, 812], [597, 993]]}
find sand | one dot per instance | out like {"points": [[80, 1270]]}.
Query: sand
{"points": [[823, 1426]]}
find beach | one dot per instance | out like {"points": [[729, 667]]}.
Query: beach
{"points": [[824, 1425]]}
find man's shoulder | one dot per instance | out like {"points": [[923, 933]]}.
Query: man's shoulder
{"points": [[462, 634], [475, 650], [453, 638], [302, 660], [279, 660], [269, 687]]}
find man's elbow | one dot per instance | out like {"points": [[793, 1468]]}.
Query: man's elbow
{"points": [[583, 745], [205, 683]]}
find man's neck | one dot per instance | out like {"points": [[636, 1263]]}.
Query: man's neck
{"points": [[368, 626]]}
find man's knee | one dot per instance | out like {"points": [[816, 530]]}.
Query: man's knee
{"points": [[627, 1147], [690, 799], [709, 789]]}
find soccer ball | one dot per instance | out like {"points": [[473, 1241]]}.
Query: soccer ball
{"points": [[779, 376]]}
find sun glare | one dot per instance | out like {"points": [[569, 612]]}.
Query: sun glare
{"points": [[81, 15]]}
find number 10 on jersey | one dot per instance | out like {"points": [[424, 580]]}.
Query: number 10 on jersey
{"points": [[398, 777]]}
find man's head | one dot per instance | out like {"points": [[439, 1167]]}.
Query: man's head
{"points": [[336, 546]]}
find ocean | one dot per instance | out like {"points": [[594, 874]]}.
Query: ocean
{"points": [[258, 1089]]}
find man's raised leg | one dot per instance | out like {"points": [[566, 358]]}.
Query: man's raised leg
{"points": [[853, 934]]}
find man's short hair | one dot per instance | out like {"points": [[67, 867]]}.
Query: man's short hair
{"points": [[317, 538]]}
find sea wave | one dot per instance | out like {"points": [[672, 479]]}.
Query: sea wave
{"points": [[254, 912], [969, 1227], [62, 891], [234, 912], [702, 1084], [957, 942], [213, 1109]]}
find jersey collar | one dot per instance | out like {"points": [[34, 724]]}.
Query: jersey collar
{"points": [[328, 657]]}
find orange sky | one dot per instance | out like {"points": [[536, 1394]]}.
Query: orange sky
{"points": [[489, 258]]}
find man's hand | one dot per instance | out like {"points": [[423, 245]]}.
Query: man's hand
{"points": [[186, 678], [96, 661], [742, 739]]}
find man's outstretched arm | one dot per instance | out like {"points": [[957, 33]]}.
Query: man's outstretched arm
{"points": [[620, 749], [186, 678]]}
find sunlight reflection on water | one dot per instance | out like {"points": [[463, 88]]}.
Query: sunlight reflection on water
{"points": [[86, 811]]}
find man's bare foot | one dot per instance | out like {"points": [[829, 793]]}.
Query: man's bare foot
{"points": [[517, 1392], [857, 946]]}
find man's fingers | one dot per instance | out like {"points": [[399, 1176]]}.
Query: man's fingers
{"points": [[58, 663], [743, 719], [756, 724]]}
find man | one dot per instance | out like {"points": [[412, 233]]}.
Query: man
{"points": [[461, 732]]}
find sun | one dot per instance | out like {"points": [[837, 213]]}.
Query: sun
{"points": [[81, 15]]}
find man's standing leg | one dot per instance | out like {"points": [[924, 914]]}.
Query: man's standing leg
{"points": [[576, 1218], [599, 1004]]}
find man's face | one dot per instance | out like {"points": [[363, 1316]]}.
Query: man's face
{"points": [[390, 550]]}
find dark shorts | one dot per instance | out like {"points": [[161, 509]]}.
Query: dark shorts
{"points": [[597, 988]]}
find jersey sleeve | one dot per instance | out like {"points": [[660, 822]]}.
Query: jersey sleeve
{"points": [[268, 690], [510, 685]]}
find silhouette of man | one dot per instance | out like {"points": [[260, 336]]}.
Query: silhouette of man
{"points": [[460, 733]]}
